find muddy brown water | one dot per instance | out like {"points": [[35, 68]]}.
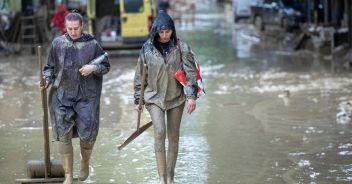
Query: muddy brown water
{"points": [[269, 115]]}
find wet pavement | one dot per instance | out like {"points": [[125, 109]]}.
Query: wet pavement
{"points": [[270, 115]]}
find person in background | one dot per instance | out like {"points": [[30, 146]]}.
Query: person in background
{"points": [[164, 95], [74, 98], [58, 19], [163, 5]]}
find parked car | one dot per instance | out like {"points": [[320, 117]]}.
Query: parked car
{"points": [[284, 13], [242, 8]]}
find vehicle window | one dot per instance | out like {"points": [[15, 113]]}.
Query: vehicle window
{"points": [[107, 7], [292, 3], [133, 6], [298, 5], [269, 1]]}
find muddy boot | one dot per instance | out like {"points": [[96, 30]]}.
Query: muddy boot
{"points": [[86, 151], [66, 154], [161, 164], [171, 163]]}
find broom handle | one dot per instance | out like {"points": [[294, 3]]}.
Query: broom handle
{"points": [[140, 103], [45, 116]]}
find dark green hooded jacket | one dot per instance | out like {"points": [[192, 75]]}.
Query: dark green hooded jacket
{"points": [[161, 87]]}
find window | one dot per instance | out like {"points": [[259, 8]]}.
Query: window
{"points": [[133, 6]]}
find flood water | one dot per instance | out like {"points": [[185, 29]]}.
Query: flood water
{"points": [[270, 115]]}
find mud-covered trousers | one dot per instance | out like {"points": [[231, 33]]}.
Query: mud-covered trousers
{"points": [[80, 118], [166, 163]]}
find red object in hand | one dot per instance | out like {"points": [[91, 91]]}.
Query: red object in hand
{"points": [[180, 76]]}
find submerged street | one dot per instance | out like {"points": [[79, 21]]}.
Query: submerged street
{"points": [[270, 115]]}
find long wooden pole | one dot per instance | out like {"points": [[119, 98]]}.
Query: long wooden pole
{"points": [[45, 115], [135, 135], [141, 97], [139, 130]]}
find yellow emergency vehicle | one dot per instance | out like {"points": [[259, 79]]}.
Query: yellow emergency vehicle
{"points": [[121, 24]]}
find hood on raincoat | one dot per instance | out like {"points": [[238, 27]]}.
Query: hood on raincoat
{"points": [[61, 7], [163, 21]]}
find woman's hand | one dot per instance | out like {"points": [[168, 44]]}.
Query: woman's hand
{"points": [[139, 108], [191, 105], [43, 87], [87, 69]]}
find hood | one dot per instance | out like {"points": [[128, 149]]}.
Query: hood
{"points": [[163, 21], [84, 38], [61, 7]]}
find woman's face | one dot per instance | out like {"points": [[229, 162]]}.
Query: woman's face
{"points": [[164, 35], [74, 29]]}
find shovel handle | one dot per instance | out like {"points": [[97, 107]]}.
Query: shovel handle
{"points": [[141, 98], [45, 115]]}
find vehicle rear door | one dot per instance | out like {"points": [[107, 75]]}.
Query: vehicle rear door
{"points": [[135, 18]]}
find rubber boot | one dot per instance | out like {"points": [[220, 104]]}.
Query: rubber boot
{"points": [[66, 154], [86, 152], [161, 164], [171, 163]]}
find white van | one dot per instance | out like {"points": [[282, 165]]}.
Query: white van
{"points": [[242, 8]]}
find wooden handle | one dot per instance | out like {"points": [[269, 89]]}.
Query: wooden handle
{"points": [[141, 97], [45, 115]]}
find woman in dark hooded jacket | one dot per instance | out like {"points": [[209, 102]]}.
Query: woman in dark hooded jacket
{"points": [[74, 99], [163, 94]]}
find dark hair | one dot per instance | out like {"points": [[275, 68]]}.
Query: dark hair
{"points": [[74, 16]]}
